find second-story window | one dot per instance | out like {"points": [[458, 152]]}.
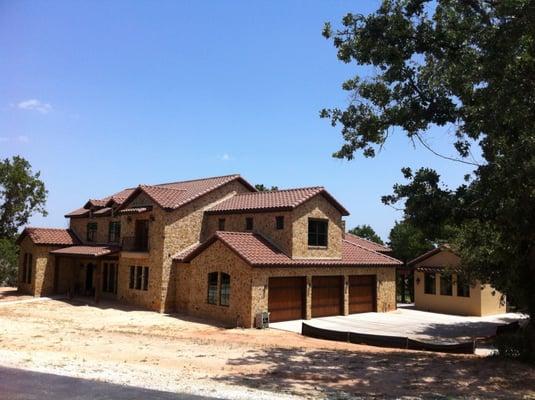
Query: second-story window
{"points": [[91, 232], [249, 223], [279, 222], [221, 224], [317, 232], [114, 231], [141, 242]]}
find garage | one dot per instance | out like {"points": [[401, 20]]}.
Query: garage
{"points": [[362, 294], [286, 298], [327, 295]]}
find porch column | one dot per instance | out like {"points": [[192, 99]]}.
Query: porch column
{"points": [[98, 281], [346, 295]]}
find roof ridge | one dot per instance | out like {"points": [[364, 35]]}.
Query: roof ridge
{"points": [[160, 187], [371, 251], [196, 179], [279, 190], [54, 229]]}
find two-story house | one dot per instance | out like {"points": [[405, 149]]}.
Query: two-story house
{"points": [[212, 247]]}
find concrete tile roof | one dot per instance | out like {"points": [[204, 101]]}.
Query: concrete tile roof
{"points": [[258, 251], [286, 199], [366, 243], [49, 236]]}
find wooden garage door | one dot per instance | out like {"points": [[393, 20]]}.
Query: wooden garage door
{"points": [[286, 299], [361, 294], [327, 295]]}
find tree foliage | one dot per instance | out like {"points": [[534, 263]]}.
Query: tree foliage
{"points": [[366, 232], [8, 262], [22, 193], [467, 66], [261, 188], [407, 242]]}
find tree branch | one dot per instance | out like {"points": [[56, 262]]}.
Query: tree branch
{"points": [[442, 155]]}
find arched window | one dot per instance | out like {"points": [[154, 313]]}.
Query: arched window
{"points": [[212, 288], [224, 297]]}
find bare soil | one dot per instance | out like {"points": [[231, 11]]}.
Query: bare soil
{"points": [[176, 353]]}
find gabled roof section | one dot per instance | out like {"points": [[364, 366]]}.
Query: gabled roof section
{"points": [[430, 253], [171, 196], [259, 252], [49, 236], [366, 243], [275, 200]]}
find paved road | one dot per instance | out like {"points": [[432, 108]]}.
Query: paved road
{"points": [[18, 384]]}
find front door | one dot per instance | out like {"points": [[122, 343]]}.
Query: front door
{"points": [[89, 269]]}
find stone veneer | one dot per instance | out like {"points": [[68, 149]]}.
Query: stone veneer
{"points": [[42, 282]]}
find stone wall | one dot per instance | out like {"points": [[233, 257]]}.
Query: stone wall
{"points": [[263, 223], [79, 226], [250, 286], [42, 281], [317, 207]]}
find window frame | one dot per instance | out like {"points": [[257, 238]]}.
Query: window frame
{"points": [[132, 280], [139, 277], [279, 222], [212, 289], [447, 279], [114, 231], [434, 286], [224, 289], [30, 267], [145, 280], [91, 231], [315, 234]]}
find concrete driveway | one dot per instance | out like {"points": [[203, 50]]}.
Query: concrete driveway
{"points": [[407, 322]]}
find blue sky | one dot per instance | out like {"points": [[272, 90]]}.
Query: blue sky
{"points": [[103, 95]]}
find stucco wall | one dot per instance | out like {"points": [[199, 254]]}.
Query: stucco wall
{"points": [[317, 207], [483, 300], [249, 286]]}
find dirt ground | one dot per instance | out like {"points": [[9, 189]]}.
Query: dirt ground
{"points": [[175, 353]]}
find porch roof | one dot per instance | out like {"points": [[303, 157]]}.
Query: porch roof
{"points": [[87, 251]]}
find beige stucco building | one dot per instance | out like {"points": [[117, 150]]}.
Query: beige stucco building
{"points": [[212, 247], [438, 287]]}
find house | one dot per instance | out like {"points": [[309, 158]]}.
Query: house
{"points": [[439, 287], [215, 248]]}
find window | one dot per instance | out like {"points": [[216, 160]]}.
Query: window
{"points": [[142, 235], [24, 264], [30, 265], [317, 232], [132, 277], [212, 288], [114, 231], [146, 278], [221, 224], [446, 287], [92, 232], [279, 222], [109, 277], [139, 278], [429, 283], [27, 268], [463, 286], [224, 296], [249, 223]]}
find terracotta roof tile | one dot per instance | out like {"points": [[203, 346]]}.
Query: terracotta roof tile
{"points": [[258, 251], [79, 212], [49, 236], [89, 251], [366, 243], [273, 200]]}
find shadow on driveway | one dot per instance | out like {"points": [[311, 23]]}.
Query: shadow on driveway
{"points": [[18, 384]]}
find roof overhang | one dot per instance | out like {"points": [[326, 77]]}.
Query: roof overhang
{"points": [[87, 251]]}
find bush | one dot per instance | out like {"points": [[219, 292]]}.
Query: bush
{"points": [[8, 262]]}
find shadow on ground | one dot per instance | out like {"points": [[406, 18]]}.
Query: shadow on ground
{"points": [[391, 374], [18, 384]]}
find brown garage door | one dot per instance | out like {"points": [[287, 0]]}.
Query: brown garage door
{"points": [[327, 295], [361, 293], [286, 299]]}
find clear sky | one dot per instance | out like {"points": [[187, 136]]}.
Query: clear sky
{"points": [[103, 95]]}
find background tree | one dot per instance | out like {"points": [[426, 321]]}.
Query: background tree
{"points": [[261, 188], [467, 65], [366, 232], [22, 193]]}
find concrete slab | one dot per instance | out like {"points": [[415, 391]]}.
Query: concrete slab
{"points": [[419, 325]]}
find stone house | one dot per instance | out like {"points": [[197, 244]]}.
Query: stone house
{"points": [[215, 248], [440, 287]]}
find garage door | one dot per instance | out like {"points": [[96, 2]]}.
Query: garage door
{"points": [[327, 295], [286, 298], [361, 293]]}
